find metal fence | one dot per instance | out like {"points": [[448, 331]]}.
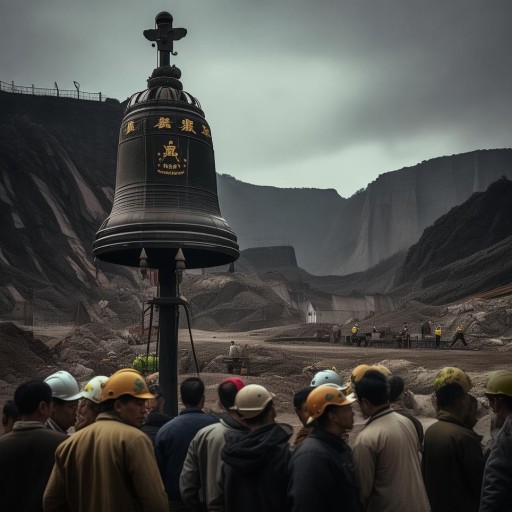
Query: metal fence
{"points": [[61, 93]]}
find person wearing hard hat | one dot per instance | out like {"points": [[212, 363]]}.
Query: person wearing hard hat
{"points": [[254, 464], [354, 335], [88, 406], [65, 396], [326, 377], [199, 486], [497, 481], [453, 460], [438, 333], [387, 452], [321, 467], [459, 335], [110, 465]]}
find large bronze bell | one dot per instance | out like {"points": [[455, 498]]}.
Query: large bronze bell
{"points": [[166, 188]]}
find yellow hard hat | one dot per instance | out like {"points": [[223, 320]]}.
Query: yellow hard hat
{"points": [[125, 382], [381, 369], [499, 383], [358, 372], [452, 374]]}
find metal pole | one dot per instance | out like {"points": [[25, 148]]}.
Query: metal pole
{"points": [[168, 339]]}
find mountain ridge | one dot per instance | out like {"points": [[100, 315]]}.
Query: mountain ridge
{"points": [[57, 176]]}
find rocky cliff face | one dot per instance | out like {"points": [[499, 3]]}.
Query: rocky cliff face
{"points": [[466, 251], [56, 184], [334, 235], [395, 209], [268, 216]]}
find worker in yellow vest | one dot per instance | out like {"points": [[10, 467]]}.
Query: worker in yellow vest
{"points": [[355, 337], [438, 333]]}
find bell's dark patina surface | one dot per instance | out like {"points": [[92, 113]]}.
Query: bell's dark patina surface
{"points": [[166, 187], [166, 212]]}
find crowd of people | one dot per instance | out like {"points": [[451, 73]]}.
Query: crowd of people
{"points": [[110, 447]]}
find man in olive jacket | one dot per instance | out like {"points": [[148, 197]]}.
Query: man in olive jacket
{"points": [[109, 466], [453, 461]]}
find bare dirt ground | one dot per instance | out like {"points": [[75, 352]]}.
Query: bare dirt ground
{"points": [[283, 368]]}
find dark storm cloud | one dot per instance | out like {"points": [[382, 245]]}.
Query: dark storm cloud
{"points": [[348, 85]]}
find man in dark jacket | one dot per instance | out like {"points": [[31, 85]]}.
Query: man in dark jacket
{"points": [[453, 460], [321, 466], [173, 439], [27, 453], [254, 470]]}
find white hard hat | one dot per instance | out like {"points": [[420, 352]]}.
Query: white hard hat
{"points": [[64, 386], [326, 377], [251, 400], [92, 390]]}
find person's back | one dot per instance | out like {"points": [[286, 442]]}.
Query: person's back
{"points": [[235, 351], [453, 460], [27, 452], [199, 477], [254, 472], [173, 438], [97, 455], [255, 469], [452, 465]]}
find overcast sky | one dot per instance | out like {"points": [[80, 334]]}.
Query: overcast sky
{"points": [[298, 93]]}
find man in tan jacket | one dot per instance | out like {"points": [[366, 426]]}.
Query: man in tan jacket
{"points": [[386, 453], [109, 466]]}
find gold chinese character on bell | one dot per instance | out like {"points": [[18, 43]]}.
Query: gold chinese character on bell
{"points": [[187, 125], [163, 122], [130, 127]]}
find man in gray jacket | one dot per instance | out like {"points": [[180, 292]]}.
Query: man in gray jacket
{"points": [[201, 469]]}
